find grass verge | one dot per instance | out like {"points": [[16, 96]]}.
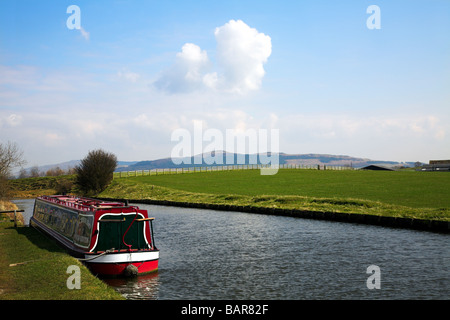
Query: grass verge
{"points": [[34, 268]]}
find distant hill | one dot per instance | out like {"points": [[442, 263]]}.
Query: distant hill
{"points": [[310, 159], [294, 159]]}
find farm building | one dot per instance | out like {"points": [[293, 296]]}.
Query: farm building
{"points": [[437, 165], [375, 167]]}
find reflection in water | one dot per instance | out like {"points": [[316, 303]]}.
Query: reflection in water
{"points": [[144, 287], [28, 206]]}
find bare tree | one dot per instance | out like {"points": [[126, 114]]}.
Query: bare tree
{"points": [[54, 172], [34, 172], [23, 173], [95, 172], [71, 171], [10, 157]]}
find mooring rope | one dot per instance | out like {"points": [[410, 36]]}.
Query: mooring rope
{"points": [[123, 238]]}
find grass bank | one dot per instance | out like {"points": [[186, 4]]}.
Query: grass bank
{"points": [[354, 192], [34, 268], [34, 187]]}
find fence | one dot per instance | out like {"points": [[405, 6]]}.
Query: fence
{"points": [[136, 173], [15, 215]]}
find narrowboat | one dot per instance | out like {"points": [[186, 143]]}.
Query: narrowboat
{"points": [[110, 238]]}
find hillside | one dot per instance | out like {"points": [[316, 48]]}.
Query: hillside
{"points": [[294, 159], [203, 160]]}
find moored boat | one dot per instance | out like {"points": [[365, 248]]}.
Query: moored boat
{"points": [[111, 238]]}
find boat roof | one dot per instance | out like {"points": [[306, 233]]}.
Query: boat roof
{"points": [[83, 203]]}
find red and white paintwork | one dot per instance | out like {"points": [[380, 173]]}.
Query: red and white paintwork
{"points": [[110, 262], [115, 263]]}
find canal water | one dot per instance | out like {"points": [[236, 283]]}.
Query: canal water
{"points": [[219, 255]]}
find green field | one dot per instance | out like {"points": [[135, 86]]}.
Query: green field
{"points": [[411, 194], [407, 188]]}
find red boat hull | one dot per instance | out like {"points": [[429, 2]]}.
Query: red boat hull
{"points": [[118, 269], [123, 263]]}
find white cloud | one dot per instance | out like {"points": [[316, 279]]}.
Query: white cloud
{"points": [[45, 113], [383, 137], [19, 76], [84, 33], [14, 120], [187, 73], [241, 54], [128, 76], [352, 126]]}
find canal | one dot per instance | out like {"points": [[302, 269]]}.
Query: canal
{"points": [[221, 255]]}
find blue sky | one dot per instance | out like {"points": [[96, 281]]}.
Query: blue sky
{"points": [[138, 70]]}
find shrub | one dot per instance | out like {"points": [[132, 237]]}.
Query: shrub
{"points": [[95, 172], [63, 186]]}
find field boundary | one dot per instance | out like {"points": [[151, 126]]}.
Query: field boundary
{"points": [[395, 222], [198, 169]]}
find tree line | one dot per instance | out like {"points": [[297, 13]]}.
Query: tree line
{"points": [[92, 175], [34, 172]]}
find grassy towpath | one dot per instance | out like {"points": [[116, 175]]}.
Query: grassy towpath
{"points": [[409, 194], [32, 267]]}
